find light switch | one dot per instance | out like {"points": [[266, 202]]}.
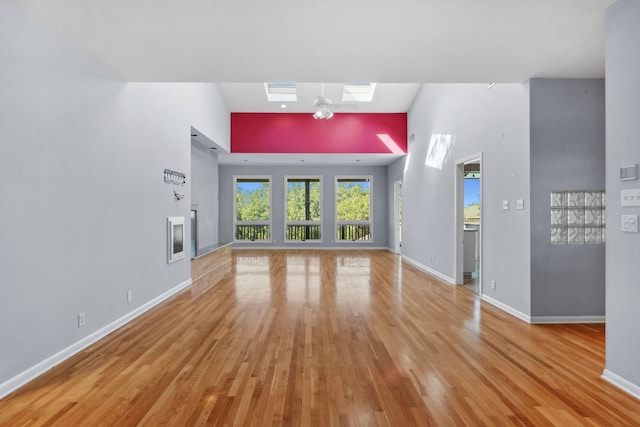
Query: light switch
{"points": [[630, 197], [630, 223], [505, 205], [520, 204], [628, 173]]}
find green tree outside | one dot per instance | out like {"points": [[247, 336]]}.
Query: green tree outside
{"points": [[252, 202], [298, 207], [354, 201]]}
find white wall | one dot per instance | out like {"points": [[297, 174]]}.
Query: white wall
{"points": [[622, 149], [84, 208], [494, 122]]}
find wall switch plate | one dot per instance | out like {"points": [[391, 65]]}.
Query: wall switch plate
{"points": [[520, 204], [493, 285], [628, 173], [505, 205], [629, 223], [630, 197], [81, 319], [129, 296]]}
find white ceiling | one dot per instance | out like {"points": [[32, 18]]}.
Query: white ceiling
{"points": [[398, 44], [251, 98]]}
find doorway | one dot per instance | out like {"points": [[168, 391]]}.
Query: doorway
{"points": [[469, 223], [397, 216]]}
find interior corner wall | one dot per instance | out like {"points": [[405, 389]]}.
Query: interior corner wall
{"points": [[328, 174], [84, 216], [567, 153], [395, 172], [204, 193], [494, 122], [622, 38]]}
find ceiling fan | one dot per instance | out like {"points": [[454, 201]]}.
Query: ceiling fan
{"points": [[325, 107]]}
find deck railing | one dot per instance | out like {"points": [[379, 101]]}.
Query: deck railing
{"points": [[252, 232], [353, 232], [302, 232]]}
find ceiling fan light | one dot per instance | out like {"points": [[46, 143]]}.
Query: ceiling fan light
{"points": [[318, 115], [328, 114]]}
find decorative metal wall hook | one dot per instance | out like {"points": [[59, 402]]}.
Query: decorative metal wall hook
{"points": [[173, 177], [178, 196]]}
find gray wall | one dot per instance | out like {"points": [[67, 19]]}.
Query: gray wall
{"points": [[84, 208], [567, 153], [380, 201], [204, 192], [395, 172], [623, 149], [493, 122]]}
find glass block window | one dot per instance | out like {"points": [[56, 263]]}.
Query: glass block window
{"points": [[577, 217]]}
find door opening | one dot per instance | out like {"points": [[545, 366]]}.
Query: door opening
{"points": [[468, 223], [397, 216]]}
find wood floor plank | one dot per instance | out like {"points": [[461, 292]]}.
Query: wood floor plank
{"points": [[328, 338]]}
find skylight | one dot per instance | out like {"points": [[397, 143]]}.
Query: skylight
{"points": [[281, 91], [358, 92]]}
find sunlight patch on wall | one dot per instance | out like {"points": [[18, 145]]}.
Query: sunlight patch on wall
{"points": [[391, 145], [406, 163], [439, 150]]}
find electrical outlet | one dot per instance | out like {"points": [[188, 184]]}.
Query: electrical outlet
{"points": [[129, 296], [431, 259], [81, 319], [493, 285], [437, 261], [630, 223]]}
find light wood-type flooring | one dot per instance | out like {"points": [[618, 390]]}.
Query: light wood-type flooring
{"points": [[329, 338]]}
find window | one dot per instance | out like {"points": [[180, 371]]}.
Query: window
{"points": [[358, 92], [353, 209], [252, 209], [281, 91], [303, 209]]}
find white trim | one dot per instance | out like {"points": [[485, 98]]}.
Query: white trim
{"points": [[447, 279], [40, 368], [269, 178], [310, 222], [621, 383], [566, 319], [368, 222], [311, 247], [458, 245], [506, 308]]}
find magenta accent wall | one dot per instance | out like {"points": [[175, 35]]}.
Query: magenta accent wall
{"points": [[301, 133]]}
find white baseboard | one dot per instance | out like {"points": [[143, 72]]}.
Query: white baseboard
{"points": [[428, 270], [504, 307], [621, 383], [541, 320], [42, 367]]}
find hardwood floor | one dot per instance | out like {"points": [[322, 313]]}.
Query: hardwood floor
{"points": [[323, 338]]}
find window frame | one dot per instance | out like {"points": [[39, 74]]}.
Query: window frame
{"points": [[368, 222], [310, 222], [268, 223]]}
